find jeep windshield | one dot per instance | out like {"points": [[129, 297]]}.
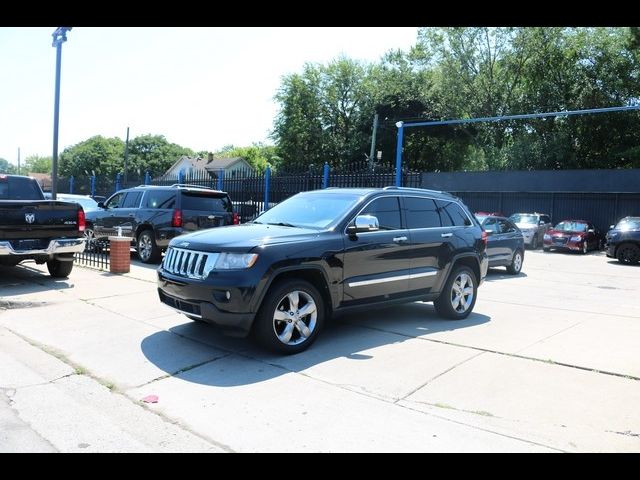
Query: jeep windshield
{"points": [[309, 210], [529, 219]]}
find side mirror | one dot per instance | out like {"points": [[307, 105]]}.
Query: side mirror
{"points": [[611, 227], [591, 230], [101, 204], [364, 223], [490, 232], [541, 222]]}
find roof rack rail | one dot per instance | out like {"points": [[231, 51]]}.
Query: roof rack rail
{"points": [[393, 187], [190, 185]]}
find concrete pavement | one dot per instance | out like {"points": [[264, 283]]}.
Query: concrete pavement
{"points": [[547, 362]]}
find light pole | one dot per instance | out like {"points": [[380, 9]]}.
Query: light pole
{"points": [[59, 37]]}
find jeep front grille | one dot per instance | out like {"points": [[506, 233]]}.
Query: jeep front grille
{"points": [[189, 263]]}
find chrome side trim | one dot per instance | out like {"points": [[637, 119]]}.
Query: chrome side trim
{"points": [[392, 279], [57, 245]]}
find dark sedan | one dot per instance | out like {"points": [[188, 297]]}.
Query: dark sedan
{"points": [[575, 235], [505, 243]]}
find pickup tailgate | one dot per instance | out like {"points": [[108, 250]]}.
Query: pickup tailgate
{"points": [[29, 223]]}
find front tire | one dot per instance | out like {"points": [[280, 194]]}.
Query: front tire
{"points": [[458, 297], [534, 242], [59, 269], [148, 251], [516, 263], [585, 247], [628, 253], [290, 318]]}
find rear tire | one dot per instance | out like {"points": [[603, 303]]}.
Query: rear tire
{"points": [[458, 297], [534, 242], [628, 253], [290, 318], [148, 251], [59, 269], [516, 263]]}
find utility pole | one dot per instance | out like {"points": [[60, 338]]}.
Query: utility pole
{"points": [[373, 142], [18, 160], [126, 157], [59, 37]]}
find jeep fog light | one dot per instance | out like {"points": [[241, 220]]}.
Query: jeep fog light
{"points": [[235, 261]]}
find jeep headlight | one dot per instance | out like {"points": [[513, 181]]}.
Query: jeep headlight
{"points": [[235, 261], [576, 238], [547, 236]]}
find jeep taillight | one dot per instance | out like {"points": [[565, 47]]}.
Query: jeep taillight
{"points": [[236, 219], [176, 220], [81, 220]]}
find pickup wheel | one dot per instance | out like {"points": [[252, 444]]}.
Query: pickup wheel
{"points": [[148, 251], [59, 269], [290, 318], [458, 296], [90, 242]]}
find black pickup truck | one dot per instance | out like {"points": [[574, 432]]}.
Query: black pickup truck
{"points": [[32, 228]]}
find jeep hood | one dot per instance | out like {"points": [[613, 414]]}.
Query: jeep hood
{"points": [[242, 237]]}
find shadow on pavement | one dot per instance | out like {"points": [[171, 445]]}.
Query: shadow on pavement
{"points": [[352, 337]]}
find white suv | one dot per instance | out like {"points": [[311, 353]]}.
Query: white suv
{"points": [[533, 227]]}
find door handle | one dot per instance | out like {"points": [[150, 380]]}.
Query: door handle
{"points": [[132, 214], [446, 235], [399, 239]]}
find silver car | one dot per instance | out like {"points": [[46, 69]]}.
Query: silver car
{"points": [[533, 227]]}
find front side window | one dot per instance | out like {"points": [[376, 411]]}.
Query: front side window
{"points": [[387, 211], [115, 201]]}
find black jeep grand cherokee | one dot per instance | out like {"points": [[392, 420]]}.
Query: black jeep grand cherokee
{"points": [[324, 252]]}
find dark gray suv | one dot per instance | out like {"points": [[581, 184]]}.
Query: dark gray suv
{"points": [[153, 215]]}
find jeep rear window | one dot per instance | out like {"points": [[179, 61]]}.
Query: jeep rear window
{"points": [[206, 202], [16, 188]]}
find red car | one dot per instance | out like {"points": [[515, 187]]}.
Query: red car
{"points": [[576, 235]]}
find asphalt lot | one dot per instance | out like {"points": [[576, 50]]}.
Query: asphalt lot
{"points": [[548, 361]]}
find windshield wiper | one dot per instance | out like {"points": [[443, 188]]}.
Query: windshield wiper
{"points": [[282, 224]]}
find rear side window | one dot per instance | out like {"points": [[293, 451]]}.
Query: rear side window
{"points": [[421, 213], [15, 188], [452, 214], [131, 200], [206, 203], [160, 199]]}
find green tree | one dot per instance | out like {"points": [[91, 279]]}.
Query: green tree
{"points": [[37, 164], [100, 155], [257, 155], [6, 166], [154, 153]]}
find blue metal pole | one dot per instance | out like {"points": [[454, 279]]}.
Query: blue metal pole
{"points": [[147, 178], [220, 178], [325, 175], [181, 176], [117, 182], [523, 116], [71, 184], [93, 185], [399, 154], [267, 185]]}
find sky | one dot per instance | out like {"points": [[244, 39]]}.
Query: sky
{"points": [[201, 88]]}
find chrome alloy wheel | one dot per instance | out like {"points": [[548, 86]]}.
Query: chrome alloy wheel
{"points": [[295, 317], [462, 293]]}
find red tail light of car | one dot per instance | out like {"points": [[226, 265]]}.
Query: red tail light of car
{"points": [[236, 219], [485, 238], [81, 220], [176, 220]]}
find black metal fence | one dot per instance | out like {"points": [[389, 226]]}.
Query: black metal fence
{"points": [[93, 259]]}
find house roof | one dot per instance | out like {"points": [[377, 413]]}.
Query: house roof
{"points": [[199, 163]]}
